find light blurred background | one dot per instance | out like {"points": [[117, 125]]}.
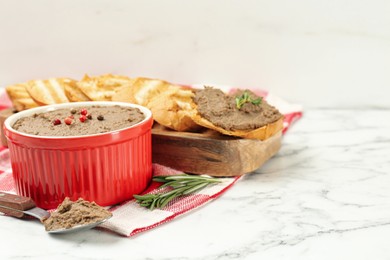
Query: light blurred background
{"points": [[333, 53]]}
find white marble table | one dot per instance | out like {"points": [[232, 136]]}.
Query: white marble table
{"points": [[324, 196]]}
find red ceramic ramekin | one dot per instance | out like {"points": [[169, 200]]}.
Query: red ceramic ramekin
{"points": [[107, 168]]}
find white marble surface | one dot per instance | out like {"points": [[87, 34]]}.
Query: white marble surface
{"points": [[324, 196]]}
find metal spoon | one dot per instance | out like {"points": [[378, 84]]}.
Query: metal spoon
{"points": [[19, 206]]}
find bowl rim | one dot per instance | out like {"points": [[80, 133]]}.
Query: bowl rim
{"points": [[41, 109]]}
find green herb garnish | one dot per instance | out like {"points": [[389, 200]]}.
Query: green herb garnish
{"points": [[246, 98], [180, 185]]}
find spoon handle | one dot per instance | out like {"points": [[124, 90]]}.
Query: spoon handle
{"points": [[14, 205]]}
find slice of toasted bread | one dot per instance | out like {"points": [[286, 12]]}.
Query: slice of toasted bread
{"points": [[170, 104], [143, 90], [172, 108], [261, 133], [19, 97], [49, 91], [74, 94], [124, 94], [264, 119], [104, 87]]}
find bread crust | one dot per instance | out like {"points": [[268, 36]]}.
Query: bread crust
{"points": [[19, 97], [143, 90], [170, 104], [173, 109], [103, 87], [74, 94], [261, 133], [49, 91]]}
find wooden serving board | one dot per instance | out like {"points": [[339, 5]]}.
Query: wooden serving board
{"points": [[211, 153]]}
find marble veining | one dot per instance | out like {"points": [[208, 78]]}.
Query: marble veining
{"points": [[325, 195]]}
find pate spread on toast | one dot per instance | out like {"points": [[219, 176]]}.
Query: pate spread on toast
{"points": [[241, 114]]}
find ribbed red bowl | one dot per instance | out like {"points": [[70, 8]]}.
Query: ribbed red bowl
{"points": [[107, 168]]}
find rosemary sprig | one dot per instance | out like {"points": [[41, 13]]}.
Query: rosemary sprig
{"points": [[246, 98], [179, 185]]}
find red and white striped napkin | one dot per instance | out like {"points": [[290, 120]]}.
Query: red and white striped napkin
{"points": [[129, 218]]}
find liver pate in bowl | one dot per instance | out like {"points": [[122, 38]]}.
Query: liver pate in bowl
{"points": [[98, 151]]}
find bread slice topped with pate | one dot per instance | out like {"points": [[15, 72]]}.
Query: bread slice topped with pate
{"points": [[241, 113]]}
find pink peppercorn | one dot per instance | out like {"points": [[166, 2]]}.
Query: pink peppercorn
{"points": [[82, 118], [56, 122], [83, 112], [68, 120]]}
